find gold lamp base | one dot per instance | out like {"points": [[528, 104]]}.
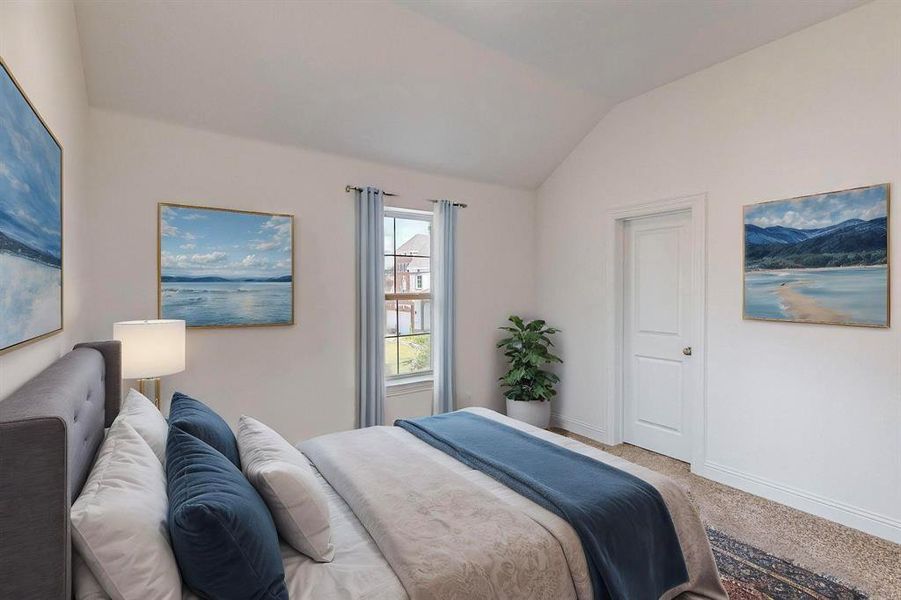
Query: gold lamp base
{"points": [[142, 385]]}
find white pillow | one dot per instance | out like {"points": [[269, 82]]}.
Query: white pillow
{"points": [[84, 585], [285, 480], [147, 420], [119, 520]]}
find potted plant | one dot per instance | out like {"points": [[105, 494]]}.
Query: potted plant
{"points": [[529, 387]]}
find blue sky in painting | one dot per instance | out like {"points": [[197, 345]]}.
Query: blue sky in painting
{"points": [[207, 242], [822, 210], [29, 174]]}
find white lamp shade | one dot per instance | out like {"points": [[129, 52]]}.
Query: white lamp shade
{"points": [[151, 348]]}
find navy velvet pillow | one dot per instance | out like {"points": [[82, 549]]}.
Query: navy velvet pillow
{"points": [[223, 536], [201, 421]]}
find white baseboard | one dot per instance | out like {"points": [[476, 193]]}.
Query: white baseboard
{"points": [[579, 427], [834, 510]]}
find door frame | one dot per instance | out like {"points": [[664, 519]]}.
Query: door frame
{"points": [[696, 205]]}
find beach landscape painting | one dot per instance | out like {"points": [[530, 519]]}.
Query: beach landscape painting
{"points": [[819, 259], [31, 223], [225, 268]]}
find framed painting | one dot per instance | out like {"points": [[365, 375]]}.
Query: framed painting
{"points": [[31, 221], [225, 268], [819, 259]]}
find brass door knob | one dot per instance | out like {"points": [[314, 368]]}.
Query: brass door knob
{"points": [[686, 351]]}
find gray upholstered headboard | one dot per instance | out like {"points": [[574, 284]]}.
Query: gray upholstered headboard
{"points": [[50, 430]]}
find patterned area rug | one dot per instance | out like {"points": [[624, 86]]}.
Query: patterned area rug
{"points": [[752, 574]]}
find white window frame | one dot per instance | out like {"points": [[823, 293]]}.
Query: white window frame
{"points": [[418, 215]]}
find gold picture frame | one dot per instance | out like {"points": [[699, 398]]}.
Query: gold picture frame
{"points": [[4, 67], [811, 306], [164, 229]]}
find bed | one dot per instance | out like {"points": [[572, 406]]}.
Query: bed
{"points": [[382, 509]]}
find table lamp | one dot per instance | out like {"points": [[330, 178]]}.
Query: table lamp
{"points": [[151, 349]]}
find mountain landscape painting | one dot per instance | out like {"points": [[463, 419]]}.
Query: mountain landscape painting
{"points": [[819, 259], [225, 268], [31, 223]]}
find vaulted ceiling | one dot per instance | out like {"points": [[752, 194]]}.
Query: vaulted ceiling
{"points": [[491, 90]]}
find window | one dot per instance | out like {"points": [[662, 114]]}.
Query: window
{"points": [[408, 295]]}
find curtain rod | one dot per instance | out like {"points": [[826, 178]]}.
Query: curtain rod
{"points": [[348, 188], [457, 204]]}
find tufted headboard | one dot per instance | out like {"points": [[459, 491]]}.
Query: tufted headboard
{"points": [[50, 430]]}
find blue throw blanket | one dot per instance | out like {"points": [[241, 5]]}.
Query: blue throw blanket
{"points": [[625, 528]]}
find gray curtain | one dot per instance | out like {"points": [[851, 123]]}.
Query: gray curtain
{"points": [[444, 305], [371, 306]]}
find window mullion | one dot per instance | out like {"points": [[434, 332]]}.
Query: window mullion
{"points": [[396, 311]]}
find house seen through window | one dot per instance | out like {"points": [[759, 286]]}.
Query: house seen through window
{"points": [[408, 293]]}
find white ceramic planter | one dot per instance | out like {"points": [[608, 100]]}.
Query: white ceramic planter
{"points": [[533, 413]]}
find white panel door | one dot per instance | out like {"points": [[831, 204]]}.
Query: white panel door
{"points": [[657, 379]]}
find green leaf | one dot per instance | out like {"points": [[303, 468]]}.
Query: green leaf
{"points": [[535, 325], [526, 349]]}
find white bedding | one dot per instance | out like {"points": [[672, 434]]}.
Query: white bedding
{"points": [[358, 570], [421, 507]]}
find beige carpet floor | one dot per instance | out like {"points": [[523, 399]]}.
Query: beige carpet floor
{"points": [[868, 563]]}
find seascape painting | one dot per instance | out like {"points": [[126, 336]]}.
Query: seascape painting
{"points": [[31, 225], [819, 259], [225, 268]]}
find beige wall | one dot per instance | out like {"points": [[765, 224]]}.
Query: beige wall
{"points": [[809, 415], [299, 379], [39, 43]]}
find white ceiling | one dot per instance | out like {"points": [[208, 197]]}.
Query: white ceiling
{"points": [[491, 90], [619, 49]]}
